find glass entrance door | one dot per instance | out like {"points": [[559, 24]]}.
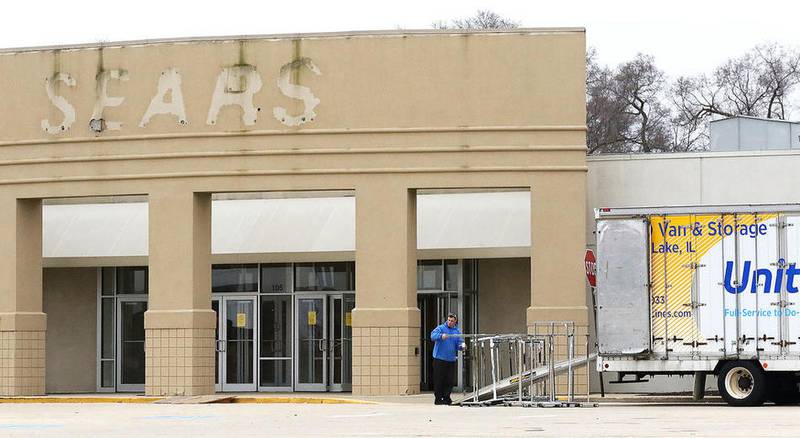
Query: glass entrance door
{"points": [[130, 344], [340, 340], [236, 343], [324, 342], [275, 340], [312, 345], [434, 308]]}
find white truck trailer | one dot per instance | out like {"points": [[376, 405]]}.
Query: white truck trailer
{"points": [[702, 290]]}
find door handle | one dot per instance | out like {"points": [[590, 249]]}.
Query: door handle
{"points": [[220, 346]]}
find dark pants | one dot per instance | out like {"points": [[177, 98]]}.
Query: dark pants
{"points": [[444, 373]]}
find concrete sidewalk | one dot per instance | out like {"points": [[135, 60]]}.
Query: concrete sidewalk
{"points": [[393, 420], [244, 397], [322, 398], [340, 398]]}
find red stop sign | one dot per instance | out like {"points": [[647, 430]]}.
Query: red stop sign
{"points": [[591, 267]]}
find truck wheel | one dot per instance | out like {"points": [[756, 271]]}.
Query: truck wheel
{"points": [[742, 383]]}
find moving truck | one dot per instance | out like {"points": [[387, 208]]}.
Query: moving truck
{"points": [[702, 290]]}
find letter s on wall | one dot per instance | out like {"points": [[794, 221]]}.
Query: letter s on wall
{"points": [[59, 102], [298, 92]]}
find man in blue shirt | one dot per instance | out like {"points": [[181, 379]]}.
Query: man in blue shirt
{"points": [[448, 341]]}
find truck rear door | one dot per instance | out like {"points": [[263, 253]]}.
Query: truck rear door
{"points": [[623, 296]]}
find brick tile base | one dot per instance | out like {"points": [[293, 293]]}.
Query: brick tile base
{"points": [[386, 360], [22, 363], [179, 361]]}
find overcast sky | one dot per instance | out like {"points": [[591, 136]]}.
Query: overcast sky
{"points": [[686, 37]]}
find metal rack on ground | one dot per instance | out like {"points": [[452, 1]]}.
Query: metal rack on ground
{"points": [[524, 369]]}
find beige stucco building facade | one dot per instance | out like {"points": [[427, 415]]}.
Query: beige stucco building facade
{"points": [[380, 115]]}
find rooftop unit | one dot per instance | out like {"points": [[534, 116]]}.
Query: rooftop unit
{"points": [[743, 133]]}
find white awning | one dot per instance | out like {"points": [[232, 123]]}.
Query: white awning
{"points": [[290, 225], [94, 230], [283, 225], [474, 220]]}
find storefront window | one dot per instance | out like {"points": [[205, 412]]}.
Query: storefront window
{"points": [[121, 349], [234, 278], [276, 373], [276, 326], [470, 275], [132, 280], [331, 276], [107, 374], [109, 278], [429, 275], [276, 278], [451, 272], [107, 329]]}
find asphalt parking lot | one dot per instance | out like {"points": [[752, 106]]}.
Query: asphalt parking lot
{"points": [[393, 419]]}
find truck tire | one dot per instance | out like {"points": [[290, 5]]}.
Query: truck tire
{"points": [[742, 383], [783, 389]]}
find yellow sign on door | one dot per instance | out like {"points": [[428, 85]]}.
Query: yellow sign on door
{"points": [[312, 317], [241, 320], [348, 319]]}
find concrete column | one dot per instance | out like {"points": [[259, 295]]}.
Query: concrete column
{"points": [[558, 243], [386, 321], [179, 322], [558, 281], [22, 322]]}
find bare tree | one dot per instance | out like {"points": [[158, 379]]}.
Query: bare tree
{"points": [[626, 110], [755, 84], [640, 85], [696, 100], [674, 116], [690, 121], [743, 86], [483, 19], [780, 75], [606, 119]]}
